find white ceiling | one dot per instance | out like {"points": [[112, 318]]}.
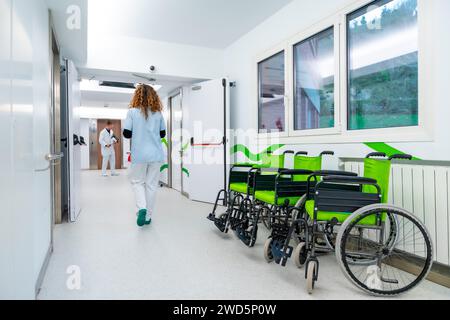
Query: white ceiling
{"points": [[205, 23], [122, 100]]}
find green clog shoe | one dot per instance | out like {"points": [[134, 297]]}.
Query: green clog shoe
{"points": [[141, 217]]}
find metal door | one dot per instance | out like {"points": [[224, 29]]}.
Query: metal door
{"points": [[176, 148]]}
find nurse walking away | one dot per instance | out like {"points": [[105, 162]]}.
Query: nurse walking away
{"points": [[146, 127], [107, 141]]}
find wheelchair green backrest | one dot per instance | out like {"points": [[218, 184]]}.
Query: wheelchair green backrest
{"points": [[303, 162], [380, 170], [272, 161]]}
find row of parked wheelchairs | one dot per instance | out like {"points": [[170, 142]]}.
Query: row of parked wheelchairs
{"points": [[382, 249]]}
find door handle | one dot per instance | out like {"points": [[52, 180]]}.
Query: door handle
{"points": [[54, 157], [51, 158]]}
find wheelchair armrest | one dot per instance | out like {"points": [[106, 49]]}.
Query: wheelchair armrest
{"points": [[296, 172], [261, 166], [243, 165], [401, 157], [349, 179], [324, 173], [259, 170]]}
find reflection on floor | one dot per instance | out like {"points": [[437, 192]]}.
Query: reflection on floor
{"points": [[181, 256]]}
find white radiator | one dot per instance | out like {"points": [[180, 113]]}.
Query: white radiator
{"points": [[423, 189]]}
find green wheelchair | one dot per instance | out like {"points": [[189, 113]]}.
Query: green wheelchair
{"points": [[382, 249], [238, 198], [273, 193]]}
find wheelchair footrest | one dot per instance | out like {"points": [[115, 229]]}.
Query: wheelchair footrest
{"points": [[244, 236], [278, 253], [220, 224]]}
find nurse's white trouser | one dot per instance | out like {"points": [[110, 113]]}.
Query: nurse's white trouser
{"points": [[144, 179], [111, 159]]}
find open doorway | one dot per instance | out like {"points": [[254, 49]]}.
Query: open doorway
{"points": [[175, 141], [118, 147]]}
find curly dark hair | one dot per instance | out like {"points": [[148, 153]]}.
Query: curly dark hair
{"points": [[146, 99]]}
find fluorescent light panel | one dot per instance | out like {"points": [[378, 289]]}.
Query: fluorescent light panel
{"points": [[93, 85]]}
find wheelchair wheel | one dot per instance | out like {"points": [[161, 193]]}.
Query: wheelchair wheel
{"points": [[384, 250], [300, 255], [268, 250], [311, 276]]}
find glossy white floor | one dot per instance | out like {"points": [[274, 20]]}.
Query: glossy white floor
{"points": [[181, 256]]}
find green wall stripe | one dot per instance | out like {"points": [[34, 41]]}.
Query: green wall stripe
{"points": [[186, 171], [377, 146], [166, 167], [255, 157]]}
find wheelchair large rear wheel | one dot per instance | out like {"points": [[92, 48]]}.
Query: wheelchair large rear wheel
{"points": [[268, 250], [384, 250]]}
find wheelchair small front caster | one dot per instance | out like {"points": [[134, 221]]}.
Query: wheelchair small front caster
{"points": [[311, 275]]}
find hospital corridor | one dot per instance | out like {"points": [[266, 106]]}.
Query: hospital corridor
{"points": [[224, 158], [176, 259]]}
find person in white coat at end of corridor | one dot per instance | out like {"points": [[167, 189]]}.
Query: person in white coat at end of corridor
{"points": [[107, 142]]}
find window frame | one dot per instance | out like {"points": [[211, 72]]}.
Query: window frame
{"points": [[261, 58], [424, 132], [297, 39], [421, 132]]}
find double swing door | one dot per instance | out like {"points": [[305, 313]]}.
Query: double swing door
{"points": [[199, 150]]}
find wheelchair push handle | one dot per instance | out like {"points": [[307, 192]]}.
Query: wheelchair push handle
{"points": [[327, 153], [288, 152], [301, 153], [376, 155], [401, 157], [296, 172]]}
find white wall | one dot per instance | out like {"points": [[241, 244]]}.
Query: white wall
{"points": [[299, 16], [25, 221]]}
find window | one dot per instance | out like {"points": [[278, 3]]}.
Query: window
{"points": [[271, 93], [383, 65], [314, 72]]}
